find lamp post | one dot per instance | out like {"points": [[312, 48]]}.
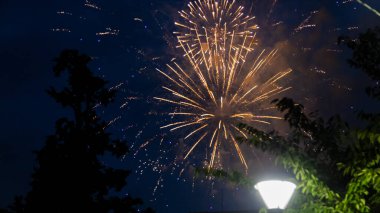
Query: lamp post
{"points": [[275, 193]]}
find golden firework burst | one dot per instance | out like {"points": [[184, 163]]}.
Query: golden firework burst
{"points": [[219, 87], [209, 28]]}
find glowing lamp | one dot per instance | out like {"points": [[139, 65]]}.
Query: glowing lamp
{"points": [[275, 193]]}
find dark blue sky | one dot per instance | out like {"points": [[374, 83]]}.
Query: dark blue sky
{"points": [[33, 33]]}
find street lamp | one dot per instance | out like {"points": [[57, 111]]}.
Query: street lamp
{"points": [[275, 193]]}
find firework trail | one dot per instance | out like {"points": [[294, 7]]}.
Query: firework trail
{"points": [[369, 7], [219, 88]]}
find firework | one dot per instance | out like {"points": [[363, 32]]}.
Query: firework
{"points": [[219, 88], [369, 7], [208, 29]]}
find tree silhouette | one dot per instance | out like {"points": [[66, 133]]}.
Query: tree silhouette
{"points": [[70, 175], [336, 166]]}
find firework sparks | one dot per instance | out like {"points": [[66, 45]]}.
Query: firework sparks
{"points": [[306, 23], [109, 31], [209, 29], [220, 88]]}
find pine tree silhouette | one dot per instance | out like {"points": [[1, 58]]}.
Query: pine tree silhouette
{"points": [[69, 175]]}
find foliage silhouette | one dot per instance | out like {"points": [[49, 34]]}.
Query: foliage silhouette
{"points": [[70, 175], [337, 167]]}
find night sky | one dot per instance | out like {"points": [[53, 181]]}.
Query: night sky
{"points": [[128, 39]]}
